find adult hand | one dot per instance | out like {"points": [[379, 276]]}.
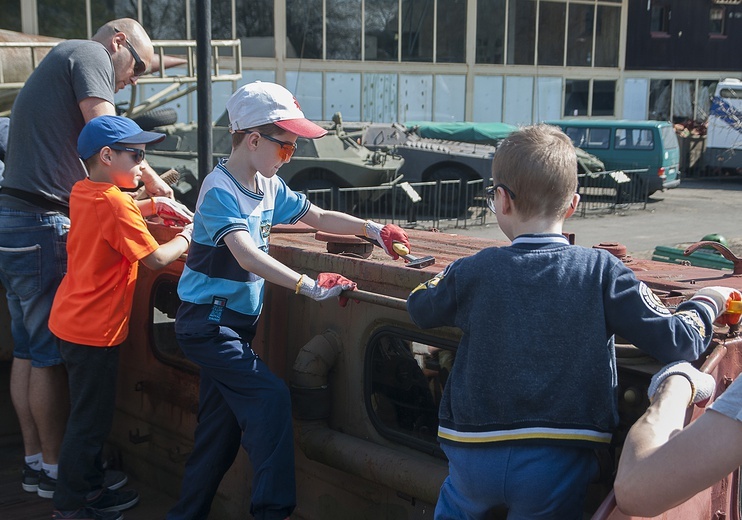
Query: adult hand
{"points": [[327, 285], [702, 385], [153, 184], [171, 211], [386, 236]]}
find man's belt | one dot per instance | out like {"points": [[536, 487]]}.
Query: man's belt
{"points": [[37, 200]]}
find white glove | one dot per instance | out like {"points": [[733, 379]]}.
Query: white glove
{"points": [[327, 285], [171, 211], [718, 297], [702, 385], [187, 233]]}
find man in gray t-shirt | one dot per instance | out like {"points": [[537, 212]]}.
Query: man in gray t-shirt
{"points": [[75, 82]]}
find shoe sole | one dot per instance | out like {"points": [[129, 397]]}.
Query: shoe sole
{"points": [[44, 493], [117, 507], [31, 488], [120, 484]]}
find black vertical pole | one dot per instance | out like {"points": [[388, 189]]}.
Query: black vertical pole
{"points": [[203, 93]]}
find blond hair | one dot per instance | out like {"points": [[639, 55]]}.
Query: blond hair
{"points": [[538, 163]]}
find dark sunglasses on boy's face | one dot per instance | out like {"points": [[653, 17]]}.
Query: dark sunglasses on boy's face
{"points": [[139, 65], [287, 149], [138, 152]]}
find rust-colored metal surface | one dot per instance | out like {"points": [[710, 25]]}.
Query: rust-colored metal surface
{"points": [[345, 466]]}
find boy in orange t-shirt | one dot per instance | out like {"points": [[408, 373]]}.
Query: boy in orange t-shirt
{"points": [[90, 315]]}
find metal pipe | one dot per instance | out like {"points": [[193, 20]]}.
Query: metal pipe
{"points": [[377, 299], [203, 95]]}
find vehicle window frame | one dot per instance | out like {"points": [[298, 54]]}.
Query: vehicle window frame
{"points": [[379, 425]]}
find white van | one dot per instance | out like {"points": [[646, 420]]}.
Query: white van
{"points": [[724, 133]]}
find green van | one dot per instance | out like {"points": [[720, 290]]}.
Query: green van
{"points": [[630, 145]]}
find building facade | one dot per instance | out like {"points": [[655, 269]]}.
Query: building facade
{"points": [[514, 61]]}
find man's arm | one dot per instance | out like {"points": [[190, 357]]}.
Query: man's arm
{"points": [[663, 465]]}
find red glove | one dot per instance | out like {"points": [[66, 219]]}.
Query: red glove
{"points": [[171, 211], [386, 236], [326, 286]]}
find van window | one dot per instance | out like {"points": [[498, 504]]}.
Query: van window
{"points": [[634, 139], [589, 137], [669, 138]]}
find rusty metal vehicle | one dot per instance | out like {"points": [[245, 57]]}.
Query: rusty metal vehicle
{"points": [[331, 162], [365, 385]]}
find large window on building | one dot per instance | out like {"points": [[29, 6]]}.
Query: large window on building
{"points": [[580, 35], [304, 29], [660, 92], [583, 97], [163, 20], [716, 21], [521, 32], [659, 22], [451, 31], [490, 31], [255, 26], [551, 20], [343, 24], [11, 19], [61, 18], [382, 37], [607, 32], [417, 30]]}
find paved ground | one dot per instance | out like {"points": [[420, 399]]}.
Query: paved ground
{"points": [[675, 217]]}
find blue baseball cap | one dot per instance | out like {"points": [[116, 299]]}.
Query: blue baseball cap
{"points": [[107, 130]]}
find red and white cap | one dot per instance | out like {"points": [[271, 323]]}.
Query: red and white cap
{"points": [[260, 103]]}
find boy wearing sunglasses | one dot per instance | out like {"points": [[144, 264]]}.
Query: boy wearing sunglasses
{"points": [[221, 290], [90, 314], [532, 392]]}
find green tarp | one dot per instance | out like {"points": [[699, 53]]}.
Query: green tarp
{"points": [[467, 132]]}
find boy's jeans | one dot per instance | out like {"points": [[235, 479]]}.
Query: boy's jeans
{"points": [[533, 482]]}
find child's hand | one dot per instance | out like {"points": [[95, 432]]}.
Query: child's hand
{"points": [[327, 285], [386, 236], [720, 297], [171, 211], [187, 233]]}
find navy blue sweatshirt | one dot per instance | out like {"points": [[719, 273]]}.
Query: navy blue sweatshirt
{"points": [[536, 362]]}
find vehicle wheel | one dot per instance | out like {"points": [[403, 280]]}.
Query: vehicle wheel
{"points": [[326, 196], [453, 199], [155, 118]]}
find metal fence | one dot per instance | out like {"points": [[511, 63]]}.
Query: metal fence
{"points": [[435, 204], [609, 192], [456, 204]]}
